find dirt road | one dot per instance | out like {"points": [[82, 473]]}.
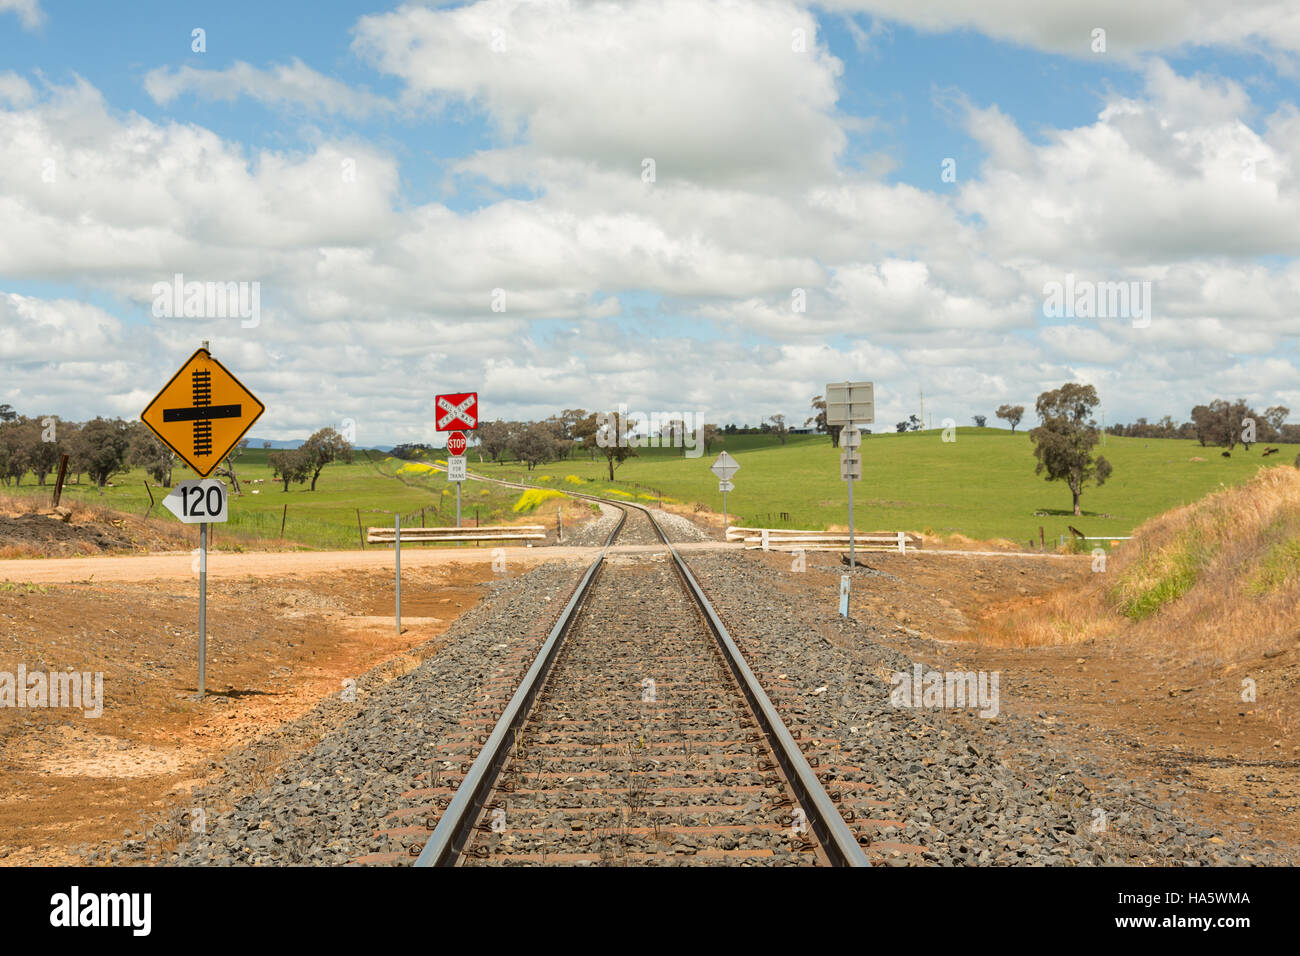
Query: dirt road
{"points": [[178, 565]]}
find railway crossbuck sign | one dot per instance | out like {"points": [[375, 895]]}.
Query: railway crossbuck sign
{"points": [[202, 412], [457, 411]]}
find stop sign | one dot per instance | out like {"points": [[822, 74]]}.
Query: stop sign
{"points": [[456, 443]]}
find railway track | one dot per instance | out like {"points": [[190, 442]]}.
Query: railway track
{"points": [[636, 735]]}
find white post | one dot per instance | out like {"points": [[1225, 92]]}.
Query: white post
{"points": [[902, 543], [766, 542], [203, 605], [853, 560], [397, 551]]}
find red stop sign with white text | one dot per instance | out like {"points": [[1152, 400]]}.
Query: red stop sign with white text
{"points": [[456, 443]]}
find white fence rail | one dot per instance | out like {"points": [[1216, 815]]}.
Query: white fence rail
{"points": [[791, 539], [520, 532]]}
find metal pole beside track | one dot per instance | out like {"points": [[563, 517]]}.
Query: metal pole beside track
{"points": [[203, 607], [397, 552], [852, 558]]}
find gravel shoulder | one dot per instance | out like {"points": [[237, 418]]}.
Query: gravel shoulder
{"points": [[1016, 778], [1012, 789], [315, 791]]}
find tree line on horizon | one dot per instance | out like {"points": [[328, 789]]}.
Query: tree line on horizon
{"points": [[104, 447], [1063, 441], [560, 437]]}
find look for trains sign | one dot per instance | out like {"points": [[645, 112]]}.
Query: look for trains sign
{"points": [[202, 412]]}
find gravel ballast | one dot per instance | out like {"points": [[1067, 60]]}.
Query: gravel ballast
{"points": [[593, 534], [324, 806], [951, 787], [678, 528], [970, 790]]}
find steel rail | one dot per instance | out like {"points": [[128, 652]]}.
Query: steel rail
{"points": [[456, 824], [837, 840]]}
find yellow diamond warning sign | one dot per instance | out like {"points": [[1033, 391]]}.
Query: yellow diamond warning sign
{"points": [[202, 412]]}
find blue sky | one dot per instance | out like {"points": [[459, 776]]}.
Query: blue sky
{"points": [[817, 170]]}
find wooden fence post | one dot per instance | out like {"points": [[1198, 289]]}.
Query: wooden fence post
{"points": [[63, 473]]}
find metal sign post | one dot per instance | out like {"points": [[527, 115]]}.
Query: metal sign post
{"points": [[851, 471], [847, 404], [203, 607], [852, 530], [201, 414], [724, 487], [397, 552], [202, 502]]}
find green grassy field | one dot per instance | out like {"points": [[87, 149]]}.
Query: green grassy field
{"points": [[982, 485], [324, 518]]}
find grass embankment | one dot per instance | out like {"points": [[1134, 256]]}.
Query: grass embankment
{"points": [[1219, 575], [375, 484]]}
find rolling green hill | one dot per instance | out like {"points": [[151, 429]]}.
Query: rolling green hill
{"points": [[982, 485]]}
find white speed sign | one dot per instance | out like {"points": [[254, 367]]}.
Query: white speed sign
{"points": [[195, 502]]}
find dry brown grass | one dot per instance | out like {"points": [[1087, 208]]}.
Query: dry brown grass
{"points": [[14, 552], [157, 532], [1218, 576], [37, 501], [959, 542]]}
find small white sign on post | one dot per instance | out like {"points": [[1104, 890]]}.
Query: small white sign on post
{"points": [[199, 501], [725, 467], [850, 403], [456, 468]]}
